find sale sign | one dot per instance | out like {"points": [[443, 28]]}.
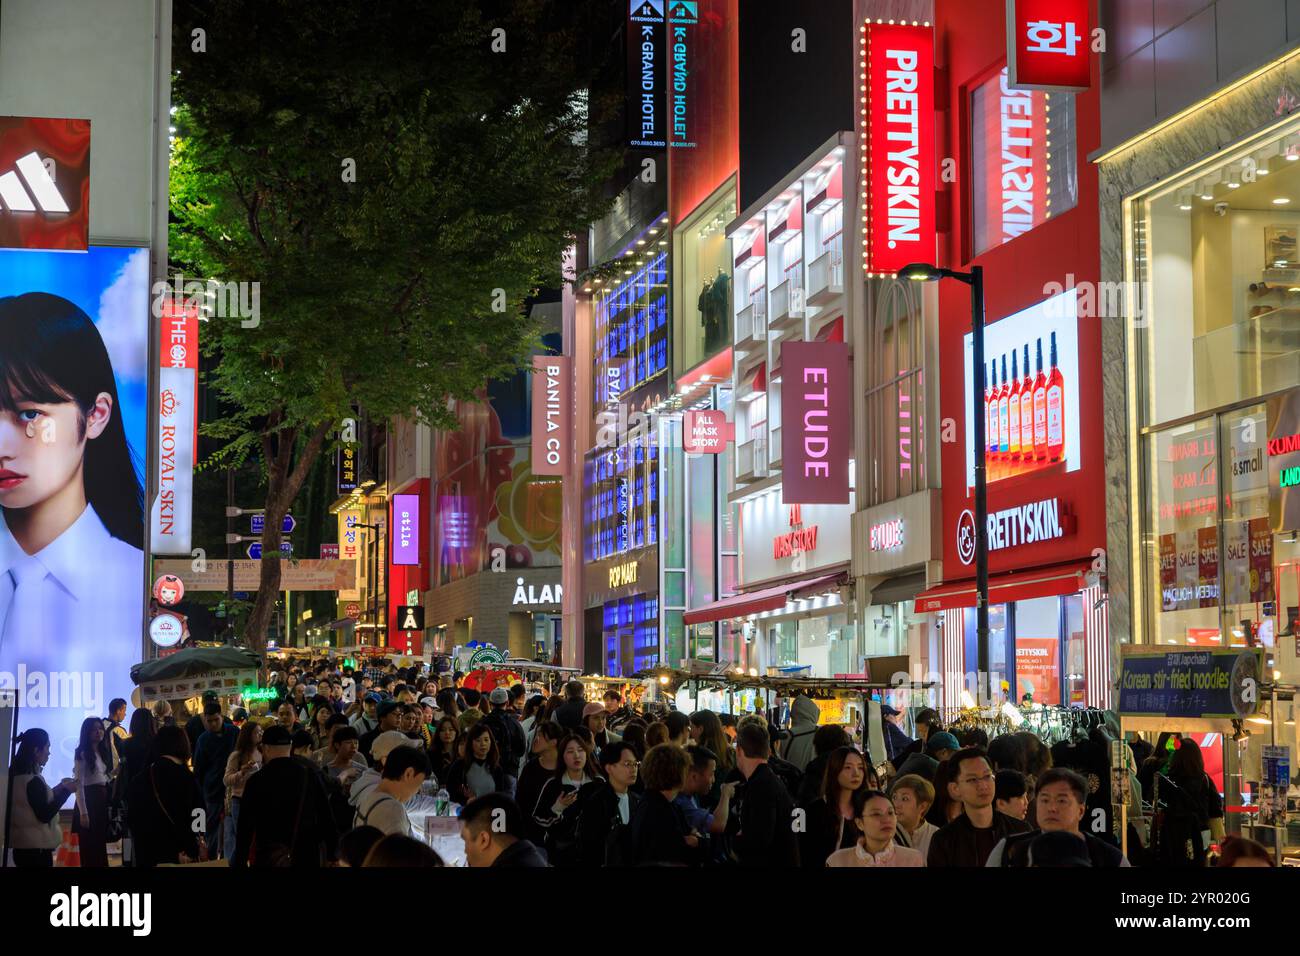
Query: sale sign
{"points": [[706, 432], [817, 412], [897, 67], [1049, 44]]}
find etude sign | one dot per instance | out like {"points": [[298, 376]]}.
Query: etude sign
{"points": [[817, 417]]}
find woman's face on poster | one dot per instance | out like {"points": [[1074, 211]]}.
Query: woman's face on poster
{"points": [[42, 447]]}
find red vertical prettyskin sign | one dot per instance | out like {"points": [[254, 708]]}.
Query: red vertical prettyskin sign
{"points": [[897, 127], [551, 388], [816, 415]]}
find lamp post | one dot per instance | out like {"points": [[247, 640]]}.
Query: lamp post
{"points": [[923, 272]]}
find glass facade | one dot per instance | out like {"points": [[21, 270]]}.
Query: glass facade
{"points": [[621, 504], [896, 399], [702, 286], [631, 342]]}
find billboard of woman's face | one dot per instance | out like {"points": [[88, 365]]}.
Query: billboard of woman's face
{"points": [[73, 406]]}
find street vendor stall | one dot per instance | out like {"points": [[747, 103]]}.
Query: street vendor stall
{"points": [[191, 672]]}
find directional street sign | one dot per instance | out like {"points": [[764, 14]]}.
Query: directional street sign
{"points": [[255, 550], [257, 524]]}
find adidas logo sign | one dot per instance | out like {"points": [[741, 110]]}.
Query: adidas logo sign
{"points": [[42, 189]]}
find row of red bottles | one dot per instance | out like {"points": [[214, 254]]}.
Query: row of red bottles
{"points": [[1025, 418]]}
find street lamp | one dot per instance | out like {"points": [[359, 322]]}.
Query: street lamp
{"points": [[923, 272]]}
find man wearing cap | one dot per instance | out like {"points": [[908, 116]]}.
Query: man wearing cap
{"points": [[506, 729], [896, 742], [368, 719], [1060, 802], [938, 748], [284, 816], [389, 714], [593, 718]]}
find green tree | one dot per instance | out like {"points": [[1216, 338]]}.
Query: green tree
{"points": [[396, 178]]}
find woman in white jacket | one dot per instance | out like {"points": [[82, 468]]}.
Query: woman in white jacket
{"points": [[34, 831]]}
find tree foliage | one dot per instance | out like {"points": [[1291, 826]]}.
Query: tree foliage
{"points": [[472, 175]]}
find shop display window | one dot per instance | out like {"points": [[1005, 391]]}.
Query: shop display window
{"points": [[1023, 160], [702, 282], [895, 401]]}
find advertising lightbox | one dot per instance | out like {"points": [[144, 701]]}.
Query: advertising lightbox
{"points": [[44, 183], [1045, 335], [73, 423], [1049, 44], [406, 529], [177, 424], [817, 407]]}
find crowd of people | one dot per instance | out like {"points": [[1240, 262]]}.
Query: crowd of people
{"points": [[342, 763]]}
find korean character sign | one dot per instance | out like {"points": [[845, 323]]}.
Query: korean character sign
{"points": [[1049, 45]]}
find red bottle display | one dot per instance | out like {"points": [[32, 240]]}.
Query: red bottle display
{"points": [[1040, 409], [1013, 409], [1055, 410], [990, 406], [1004, 423], [1027, 452]]}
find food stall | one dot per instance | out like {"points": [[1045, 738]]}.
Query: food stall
{"points": [[184, 677]]}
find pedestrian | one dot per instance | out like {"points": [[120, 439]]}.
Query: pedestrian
{"points": [[562, 799], [162, 714], [532, 716], [896, 740], [355, 845], [913, 795], [616, 713], [137, 752], [384, 806], [540, 767], [117, 733], [658, 833], [1239, 851], [34, 829], [446, 698], [442, 753], [656, 734], [284, 819], [701, 780], [938, 746], [606, 812], [804, 720], [1196, 799], [470, 714], [244, 761], [163, 803], [679, 728], [569, 713], [389, 717], [1011, 793], [976, 830], [827, 739], [492, 829], [875, 819], [343, 763], [830, 820], [287, 717], [505, 727], [368, 719], [766, 837], [480, 771], [92, 768], [401, 851], [634, 732], [210, 755], [321, 714], [593, 718], [194, 726], [706, 731], [1061, 800]]}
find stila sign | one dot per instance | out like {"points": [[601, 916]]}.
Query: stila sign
{"points": [[1049, 45]]}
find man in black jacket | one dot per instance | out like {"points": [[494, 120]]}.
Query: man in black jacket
{"points": [[285, 813], [1059, 804], [569, 714], [766, 836], [609, 808], [210, 755], [506, 729], [970, 838], [492, 829]]}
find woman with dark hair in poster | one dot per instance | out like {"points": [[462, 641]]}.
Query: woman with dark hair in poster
{"points": [[71, 539]]}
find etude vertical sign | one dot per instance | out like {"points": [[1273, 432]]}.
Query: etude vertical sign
{"points": [[817, 414], [551, 386]]}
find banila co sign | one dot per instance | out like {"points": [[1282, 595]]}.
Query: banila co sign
{"points": [[817, 415], [44, 183], [550, 413], [1049, 44], [897, 126]]}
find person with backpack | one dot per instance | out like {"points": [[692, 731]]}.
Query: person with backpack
{"points": [[284, 818], [609, 807], [384, 806], [507, 730]]}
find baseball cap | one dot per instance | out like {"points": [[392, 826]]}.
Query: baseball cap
{"points": [[889, 711], [373, 698], [428, 702], [277, 736], [387, 707], [387, 742], [592, 709], [941, 741], [500, 695]]}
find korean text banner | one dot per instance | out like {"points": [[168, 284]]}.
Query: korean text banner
{"points": [[817, 415], [1049, 44], [177, 423], [73, 420], [898, 128]]}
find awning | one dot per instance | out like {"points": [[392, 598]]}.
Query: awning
{"points": [[753, 383], [1050, 581], [894, 590], [755, 602], [832, 331]]}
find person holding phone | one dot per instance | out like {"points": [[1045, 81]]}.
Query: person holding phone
{"points": [[34, 830], [563, 798]]}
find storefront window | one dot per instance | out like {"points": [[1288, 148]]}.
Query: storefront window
{"points": [[1076, 652], [1022, 160], [895, 404], [702, 272], [1038, 650]]}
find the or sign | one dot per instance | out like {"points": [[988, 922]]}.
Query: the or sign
{"points": [[257, 524], [410, 618], [551, 384], [406, 529], [887, 536], [1038, 670], [353, 610], [168, 590], [899, 175], [170, 522], [706, 432], [350, 547], [1284, 461], [817, 422], [647, 71], [44, 183], [306, 575], [622, 574], [166, 630], [1049, 44], [1188, 682], [800, 539]]}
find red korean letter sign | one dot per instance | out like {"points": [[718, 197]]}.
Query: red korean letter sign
{"points": [[551, 385], [898, 128], [816, 415], [1049, 44]]}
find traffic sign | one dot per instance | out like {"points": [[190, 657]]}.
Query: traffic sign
{"points": [[255, 550], [257, 524]]}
